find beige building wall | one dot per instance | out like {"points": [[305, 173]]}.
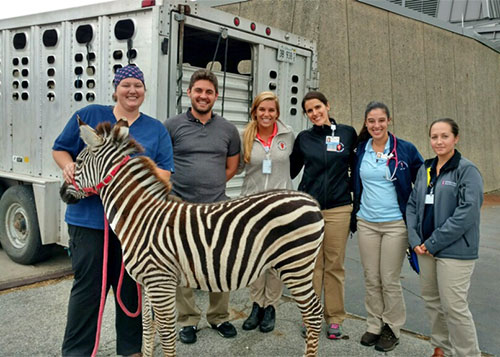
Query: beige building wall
{"points": [[420, 71]]}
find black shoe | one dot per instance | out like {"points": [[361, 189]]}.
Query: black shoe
{"points": [[255, 317], [187, 334], [388, 341], [225, 329], [267, 323], [369, 339]]}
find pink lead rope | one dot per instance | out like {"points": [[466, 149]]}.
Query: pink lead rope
{"points": [[118, 293], [94, 191]]}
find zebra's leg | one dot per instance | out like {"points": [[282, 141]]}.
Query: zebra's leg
{"points": [[148, 327], [310, 308], [162, 299]]}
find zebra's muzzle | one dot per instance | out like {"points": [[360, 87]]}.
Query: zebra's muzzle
{"points": [[70, 195]]}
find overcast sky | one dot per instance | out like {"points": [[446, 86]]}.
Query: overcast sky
{"points": [[24, 7]]}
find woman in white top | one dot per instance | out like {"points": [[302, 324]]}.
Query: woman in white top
{"points": [[267, 144]]}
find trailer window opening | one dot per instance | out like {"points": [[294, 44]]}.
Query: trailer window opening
{"points": [[84, 34], [15, 61], [78, 96], [79, 57], [118, 54], [51, 59], [124, 29], [199, 48], [20, 41], [50, 38]]}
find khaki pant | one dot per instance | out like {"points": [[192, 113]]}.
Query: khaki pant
{"points": [[266, 290], [329, 273], [382, 247], [188, 314], [445, 284]]}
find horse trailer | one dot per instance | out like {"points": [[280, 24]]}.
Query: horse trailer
{"points": [[52, 64]]}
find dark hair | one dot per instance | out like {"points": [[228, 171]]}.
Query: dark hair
{"points": [[364, 135], [204, 74], [314, 95], [450, 122]]}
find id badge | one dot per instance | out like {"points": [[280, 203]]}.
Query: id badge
{"points": [[429, 199], [332, 143], [266, 166]]}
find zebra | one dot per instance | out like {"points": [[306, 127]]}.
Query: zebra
{"points": [[217, 247]]}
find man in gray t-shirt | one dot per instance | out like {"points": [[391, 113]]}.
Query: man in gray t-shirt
{"points": [[206, 155]]}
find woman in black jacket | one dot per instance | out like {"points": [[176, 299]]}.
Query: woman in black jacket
{"points": [[325, 151]]}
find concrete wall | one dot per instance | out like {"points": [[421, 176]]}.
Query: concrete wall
{"points": [[422, 72]]}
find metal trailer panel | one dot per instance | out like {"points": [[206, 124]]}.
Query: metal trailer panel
{"points": [[58, 82]]}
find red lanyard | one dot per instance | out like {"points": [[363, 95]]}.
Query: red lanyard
{"points": [[270, 139]]}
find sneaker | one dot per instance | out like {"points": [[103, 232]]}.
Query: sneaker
{"points": [[254, 319], [388, 341], [267, 323], [438, 352], [334, 331], [369, 339], [187, 334], [225, 329], [303, 331]]}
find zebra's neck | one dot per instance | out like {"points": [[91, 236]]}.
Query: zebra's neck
{"points": [[133, 189]]}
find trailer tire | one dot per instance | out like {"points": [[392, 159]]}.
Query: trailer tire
{"points": [[19, 231]]}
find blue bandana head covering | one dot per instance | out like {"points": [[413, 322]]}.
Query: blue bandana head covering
{"points": [[129, 71]]}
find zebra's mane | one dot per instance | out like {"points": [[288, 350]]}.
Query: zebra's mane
{"points": [[129, 146], [123, 142]]}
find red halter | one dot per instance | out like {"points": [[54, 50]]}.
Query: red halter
{"points": [[95, 190]]}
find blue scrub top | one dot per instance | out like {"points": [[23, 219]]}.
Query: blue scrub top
{"points": [[147, 131]]}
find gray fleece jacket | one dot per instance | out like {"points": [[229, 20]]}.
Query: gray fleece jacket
{"points": [[458, 196], [279, 153]]}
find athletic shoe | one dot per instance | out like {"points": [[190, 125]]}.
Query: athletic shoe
{"points": [[334, 331]]}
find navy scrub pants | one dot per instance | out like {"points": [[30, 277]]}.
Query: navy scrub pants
{"points": [[86, 246]]}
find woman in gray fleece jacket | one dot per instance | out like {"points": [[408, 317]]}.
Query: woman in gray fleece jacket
{"points": [[266, 146], [443, 229]]}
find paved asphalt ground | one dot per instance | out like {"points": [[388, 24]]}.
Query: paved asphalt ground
{"points": [[32, 317]]}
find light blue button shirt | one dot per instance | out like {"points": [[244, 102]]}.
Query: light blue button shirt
{"points": [[379, 200]]}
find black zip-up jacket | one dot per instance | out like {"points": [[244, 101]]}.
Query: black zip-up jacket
{"points": [[326, 173]]}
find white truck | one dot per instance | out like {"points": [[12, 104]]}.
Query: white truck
{"points": [[52, 64]]}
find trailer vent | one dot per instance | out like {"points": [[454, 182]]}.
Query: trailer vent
{"points": [[84, 34], [124, 29], [50, 38], [20, 41]]}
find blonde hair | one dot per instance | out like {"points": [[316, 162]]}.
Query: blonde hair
{"points": [[250, 131]]}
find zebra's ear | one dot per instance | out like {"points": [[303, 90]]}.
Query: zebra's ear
{"points": [[89, 135], [121, 130]]}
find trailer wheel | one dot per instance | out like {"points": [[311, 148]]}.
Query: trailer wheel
{"points": [[19, 232]]}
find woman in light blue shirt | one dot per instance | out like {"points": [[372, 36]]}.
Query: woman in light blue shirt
{"points": [[385, 169]]}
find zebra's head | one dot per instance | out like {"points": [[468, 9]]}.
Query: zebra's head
{"points": [[106, 147]]}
